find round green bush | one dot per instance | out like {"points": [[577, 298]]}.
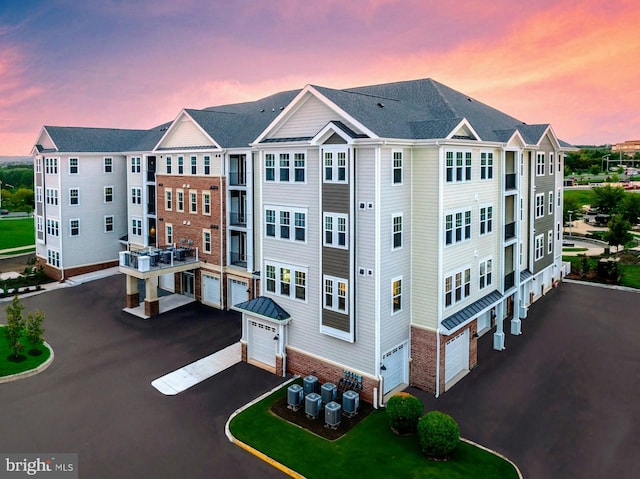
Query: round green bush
{"points": [[438, 434], [404, 410]]}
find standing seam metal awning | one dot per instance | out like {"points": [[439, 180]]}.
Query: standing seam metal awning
{"points": [[472, 310]]}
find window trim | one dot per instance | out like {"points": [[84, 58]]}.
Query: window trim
{"points": [[465, 286], [551, 203], [335, 232], [206, 203], [105, 223], [393, 295], [335, 296], [136, 226], [77, 196], [539, 245], [540, 163], [179, 199], [193, 202], [395, 168], [293, 285], [486, 165], [335, 166], [77, 166], [104, 197], [274, 169], [71, 220], [395, 233], [107, 167], [487, 222], [194, 165], [205, 232], [466, 233], [290, 213], [168, 233], [487, 277], [168, 199], [550, 241], [539, 205], [136, 195]]}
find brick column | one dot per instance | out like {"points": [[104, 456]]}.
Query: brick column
{"points": [[132, 299]]}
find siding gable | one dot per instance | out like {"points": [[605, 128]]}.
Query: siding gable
{"points": [[185, 133]]}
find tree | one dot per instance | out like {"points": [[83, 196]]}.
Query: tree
{"points": [[618, 233], [570, 204], [630, 208], [35, 331], [607, 198], [15, 327]]}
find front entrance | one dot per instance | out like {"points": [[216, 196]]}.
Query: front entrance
{"points": [[188, 283]]}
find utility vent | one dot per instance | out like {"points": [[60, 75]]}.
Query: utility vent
{"points": [[361, 271], [370, 205], [362, 205]]}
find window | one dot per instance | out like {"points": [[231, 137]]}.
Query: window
{"points": [[51, 166], [52, 196], [539, 247], [53, 258], [486, 220], [270, 222], [181, 165], [74, 196], [457, 287], [207, 165], [194, 165], [335, 294], [396, 294], [108, 194], [168, 163], [335, 230], [335, 166], [559, 163], [169, 233], [458, 166], [206, 241], [485, 273], [136, 196], [551, 165], [540, 164], [461, 227], [285, 281], [551, 202], [448, 229], [397, 167], [74, 227], [73, 166], [135, 164], [270, 275], [206, 203], [180, 196], [136, 226], [285, 224], [486, 165], [298, 164], [38, 165], [39, 224], [168, 199], [301, 285], [300, 220], [108, 224], [39, 194], [53, 228], [397, 231], [540, 205], [193, 202], [550, 242], [558, 231], [284, 166], [559, 198], [108, 165], [269, 167]]}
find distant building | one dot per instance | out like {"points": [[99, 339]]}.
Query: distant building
{"points": [[629, 147]]}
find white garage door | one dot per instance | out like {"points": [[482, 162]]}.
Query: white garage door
{"points": [[211, 290], [238, 292], [456, 355], [166, 282], [261, 345], [396, 365]]}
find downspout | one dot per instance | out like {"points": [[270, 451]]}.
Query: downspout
{"points": [[441, 211], [438, 360], [223, 222]]}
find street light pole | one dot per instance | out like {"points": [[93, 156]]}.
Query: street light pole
{"points": [[570, 223]]}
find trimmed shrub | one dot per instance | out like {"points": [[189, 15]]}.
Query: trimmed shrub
{"points": [[438, 434], [404, 410]]}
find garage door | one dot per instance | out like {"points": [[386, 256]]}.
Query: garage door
{"points": [[238, 292], [166, 282], [261, 346], [211, 290], [396, 365], [456, 355]]}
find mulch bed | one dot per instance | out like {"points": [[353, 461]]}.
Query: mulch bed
{"points": [[317, 426]]}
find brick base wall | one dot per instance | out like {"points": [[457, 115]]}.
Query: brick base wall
{"points": [[243, 351], [304, 365], [132, 300], [56, 274]]}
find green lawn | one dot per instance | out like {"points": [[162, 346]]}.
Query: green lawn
{"points": [[630, 275], [370, 449], [16, 232], [583, 197], [31, 362], [574, 250]]}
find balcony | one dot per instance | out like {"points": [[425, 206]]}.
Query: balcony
{"points": [[151, 208], [510, 181], [151, 176], [509, 280], [238, 259], [509, 231], [237, 219], [237, 178], [155, 260]]}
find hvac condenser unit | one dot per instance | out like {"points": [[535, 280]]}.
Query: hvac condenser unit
{"points": [[294, 397], [310, 384], [332, 414], [328, 392], [350, 403], [312, 405]]}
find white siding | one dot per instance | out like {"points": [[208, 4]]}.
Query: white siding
{"points": [[185, 133]]}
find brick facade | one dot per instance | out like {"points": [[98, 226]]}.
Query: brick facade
{"points": [[57, 273]]}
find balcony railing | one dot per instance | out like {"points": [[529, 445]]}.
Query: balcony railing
{"points": [[509, 280], [510, 181], [155, 259], [237, 219], [509, 231], [151, 176], [238, 259], [237, 178], [151, 208]]}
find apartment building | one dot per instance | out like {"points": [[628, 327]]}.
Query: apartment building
{"points": [[379, 230]]}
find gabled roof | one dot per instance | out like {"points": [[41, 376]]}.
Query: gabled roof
{"points": [[78, 139], [265, 307]]}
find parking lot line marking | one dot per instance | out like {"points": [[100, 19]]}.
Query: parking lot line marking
{"points": [[182, 379]]}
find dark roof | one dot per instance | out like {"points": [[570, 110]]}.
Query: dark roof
{"points": [[264, 307], [472, 310], [525, 275], [79, 139]]}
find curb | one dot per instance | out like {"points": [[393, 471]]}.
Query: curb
{"points": [[30, 372], [600, 285], [495, 453], [281, 467]]}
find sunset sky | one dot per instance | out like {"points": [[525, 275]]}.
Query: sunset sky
{"points": [[135, 64]]}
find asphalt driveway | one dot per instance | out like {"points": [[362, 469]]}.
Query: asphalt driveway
{"points": [[562, 400], [96, 399]]}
